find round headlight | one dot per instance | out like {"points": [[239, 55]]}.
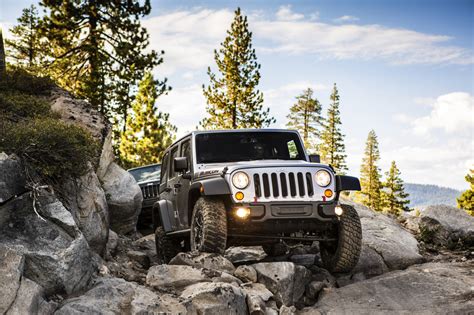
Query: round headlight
{"points": [[323, 178], [240, 180]]}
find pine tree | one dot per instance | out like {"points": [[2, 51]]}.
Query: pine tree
{"points": [[332, 148], [3, 64], [97, 49], [394, 196], [26, 50], [369, 174], [148, 131], [466, 200], [305, 116], [233, 100]]}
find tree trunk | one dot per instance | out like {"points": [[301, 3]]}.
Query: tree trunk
{"points": [[3, 69]]}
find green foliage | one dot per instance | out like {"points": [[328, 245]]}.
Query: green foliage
{"points": [[18, 80], [394, 197], [370, 175], [305, 116], [26, 49], [332, 148], [233, 100], [17, 106], [148, 131], [466, 200], [3, 63]]}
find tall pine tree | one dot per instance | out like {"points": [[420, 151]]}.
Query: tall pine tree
{"points": [[233, 100], [370, 174], [393, 194], [332, 148], [148, 131], [305, 116], [94, 45], [466, 200], [26, 49]]}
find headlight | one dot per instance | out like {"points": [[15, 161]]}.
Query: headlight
{"points": [[323, 178], [240, 180]]}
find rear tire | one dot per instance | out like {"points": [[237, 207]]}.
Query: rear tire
{"points": [[343, 255], [209, 226], [166, 247]]}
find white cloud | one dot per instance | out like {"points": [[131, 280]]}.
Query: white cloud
{"points": [[285, 13], [346, 18], [453, 112]]}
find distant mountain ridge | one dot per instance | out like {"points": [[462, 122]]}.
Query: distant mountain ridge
{"points": [[422, 195]]}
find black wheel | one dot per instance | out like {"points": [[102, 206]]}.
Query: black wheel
{"points": [[273, 250], [342, 255], [209, 226], [166, 247]]}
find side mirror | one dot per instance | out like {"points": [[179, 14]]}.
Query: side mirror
{"points": [[180, 164], [314, 158]]}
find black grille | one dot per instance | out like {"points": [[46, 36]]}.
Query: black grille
{"points": [[150, 191], [290, 184]]}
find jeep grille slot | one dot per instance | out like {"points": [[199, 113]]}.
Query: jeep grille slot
{"points": [[284, 185], [149, 191], [258, 187], [292, 184], [301, 184], [309, 184], [266, 185], [275, 189]]}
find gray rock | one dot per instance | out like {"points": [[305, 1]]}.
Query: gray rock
{"points": [[12, 179], [112, 243], [139, 257], [287, 310], [124, 199], [432, 288], [313, 288], [447, 226], [85, 199], [175, 277], [258, 290], [245, 254], [117, 296], [30, 300], [322, 275], [106, 156], [306, 260], [284, 279], [370, 263], [203, 260], [246, 273], [215, 298], [11, 270]]}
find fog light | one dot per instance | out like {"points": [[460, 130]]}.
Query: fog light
{"points": [[239, 195], [338, 210], [242, 213], [328, 193]]}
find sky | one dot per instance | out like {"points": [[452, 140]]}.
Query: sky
{"points": [[403, 68]]}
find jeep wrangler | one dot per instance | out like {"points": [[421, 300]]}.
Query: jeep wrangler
{"points": [[253, 187]]}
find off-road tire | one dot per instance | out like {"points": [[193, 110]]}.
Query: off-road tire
{"points": [[274, 250], [343, 255], [210, 214], [166, 246]]}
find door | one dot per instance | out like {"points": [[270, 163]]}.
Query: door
{"points": [[167, 185], [183, 186]]}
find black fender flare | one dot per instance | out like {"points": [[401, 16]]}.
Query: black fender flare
{"points": [[344, 182], [215, 186], [161, 214]]}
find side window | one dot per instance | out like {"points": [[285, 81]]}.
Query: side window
{"points": [[174, 153], [292, 149], [186, 152], [164, 168]]}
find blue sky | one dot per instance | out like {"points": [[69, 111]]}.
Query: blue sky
{"points": [[403, 68]]}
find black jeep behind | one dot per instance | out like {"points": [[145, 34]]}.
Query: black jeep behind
{"points": [[253, 187]]}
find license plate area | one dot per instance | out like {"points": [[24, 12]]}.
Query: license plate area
{"points": [[291, 210]]}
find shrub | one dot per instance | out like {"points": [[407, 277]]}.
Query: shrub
{"points": [[17, 105], [21, 81], [54, 150]]}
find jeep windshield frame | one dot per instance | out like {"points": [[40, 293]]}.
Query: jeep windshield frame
{"points": [[238, 146]]}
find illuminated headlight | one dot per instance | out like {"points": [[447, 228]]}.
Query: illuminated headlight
{"points": [[323, 178], [240, 180]]}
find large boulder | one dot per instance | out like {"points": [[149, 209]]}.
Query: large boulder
{"points": [[30, 299], [12, 179], [433, 288], [245, 254], [117, 296], [124, 199], [203, 260], [11, 270], [447, 226]]}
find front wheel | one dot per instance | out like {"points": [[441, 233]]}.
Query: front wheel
{"points": [[209, 226], [342, 255]]}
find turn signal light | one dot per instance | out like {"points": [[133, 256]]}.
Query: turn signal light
{"points": [[328, 193], [242, 212], [239, 195]]}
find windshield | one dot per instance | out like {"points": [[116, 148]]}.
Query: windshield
{"points": [[248, 146], [146, 173]]}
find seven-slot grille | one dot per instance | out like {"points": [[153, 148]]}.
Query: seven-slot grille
{"points": [[283, 185], [150, 191]]}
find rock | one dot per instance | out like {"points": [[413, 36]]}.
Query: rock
{"points": [[412, 223], [112, 243], [432, 288], [245, 254], [313, 288], [106, 156], [11, 270], [370, 263], [255, 305], [124, 199], [86, 200], [306, 260], [246, 273], [55, 211], [215, 298], [287, 310], [117, 296], [175, 277], [12, 179], [284, 279], [139, 257], [203, 260], [447, 226], [257, 290], [397, 247], [30, 300]]}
